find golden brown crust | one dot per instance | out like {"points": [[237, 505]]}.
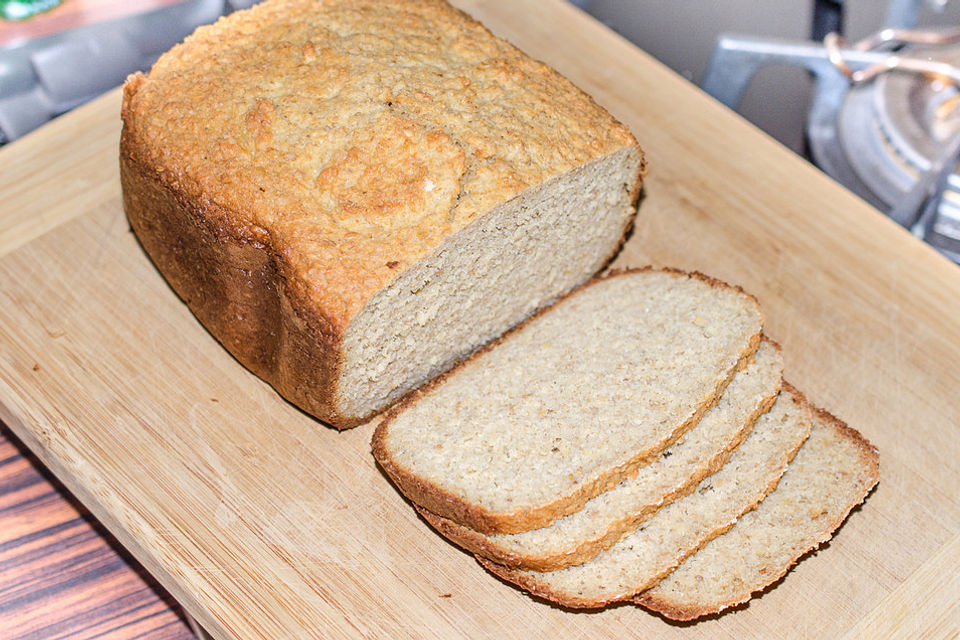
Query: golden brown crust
{"points": [[869, 458], [381, 161], [280, 174], [236, 287], [441, 502]]}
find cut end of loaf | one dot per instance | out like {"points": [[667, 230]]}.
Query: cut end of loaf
{"points": [[485, 279]]}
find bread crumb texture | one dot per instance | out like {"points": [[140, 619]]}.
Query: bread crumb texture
{"points": [[603, 520], [356, 136], [638, 560], [611, 374], [833, 473]]}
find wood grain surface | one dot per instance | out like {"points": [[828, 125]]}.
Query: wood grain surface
{"points": [[264, 523], [60, 574]]}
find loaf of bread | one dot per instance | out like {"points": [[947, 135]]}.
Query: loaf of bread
{"points": [[572, 402], [353, 195], [578, 537], [638, 560], [833, 472]]}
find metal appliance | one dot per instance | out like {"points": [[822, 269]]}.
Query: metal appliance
{"points": [[885, 116]]}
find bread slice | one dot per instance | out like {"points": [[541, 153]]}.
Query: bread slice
{"points": [[578, 537], [572, 402], [832, 473], [353, 195], [638, 560]]}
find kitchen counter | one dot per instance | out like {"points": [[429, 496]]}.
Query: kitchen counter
{"points": [[263, 523]]}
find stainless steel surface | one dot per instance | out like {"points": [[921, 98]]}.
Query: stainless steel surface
{"points": [[903, 14], [920, 203], [683, 35], [887, 39], [735, 61], [884, 119], [894, 129]]}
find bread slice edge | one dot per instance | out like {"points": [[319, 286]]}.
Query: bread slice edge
{"points": [[654, 600], [533, 583], [581, 551], [439, 501]]}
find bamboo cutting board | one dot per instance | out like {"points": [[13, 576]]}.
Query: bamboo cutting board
{"points": [[266, 524]]}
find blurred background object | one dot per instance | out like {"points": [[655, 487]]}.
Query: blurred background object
{"points": [[57, 60], [683, 36], [23, 9], [881, 115]]}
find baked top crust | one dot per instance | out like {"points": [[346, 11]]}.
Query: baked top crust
{"points": [[353, 136]]}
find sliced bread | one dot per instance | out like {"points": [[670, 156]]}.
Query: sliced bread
{"points": [[578, 537], [638, 560], [832, 473], [572, 402]]}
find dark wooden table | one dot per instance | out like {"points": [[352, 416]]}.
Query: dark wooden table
{"points": [[62, 576]]}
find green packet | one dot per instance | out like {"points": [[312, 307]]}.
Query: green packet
{"points": [[23, 9]]}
